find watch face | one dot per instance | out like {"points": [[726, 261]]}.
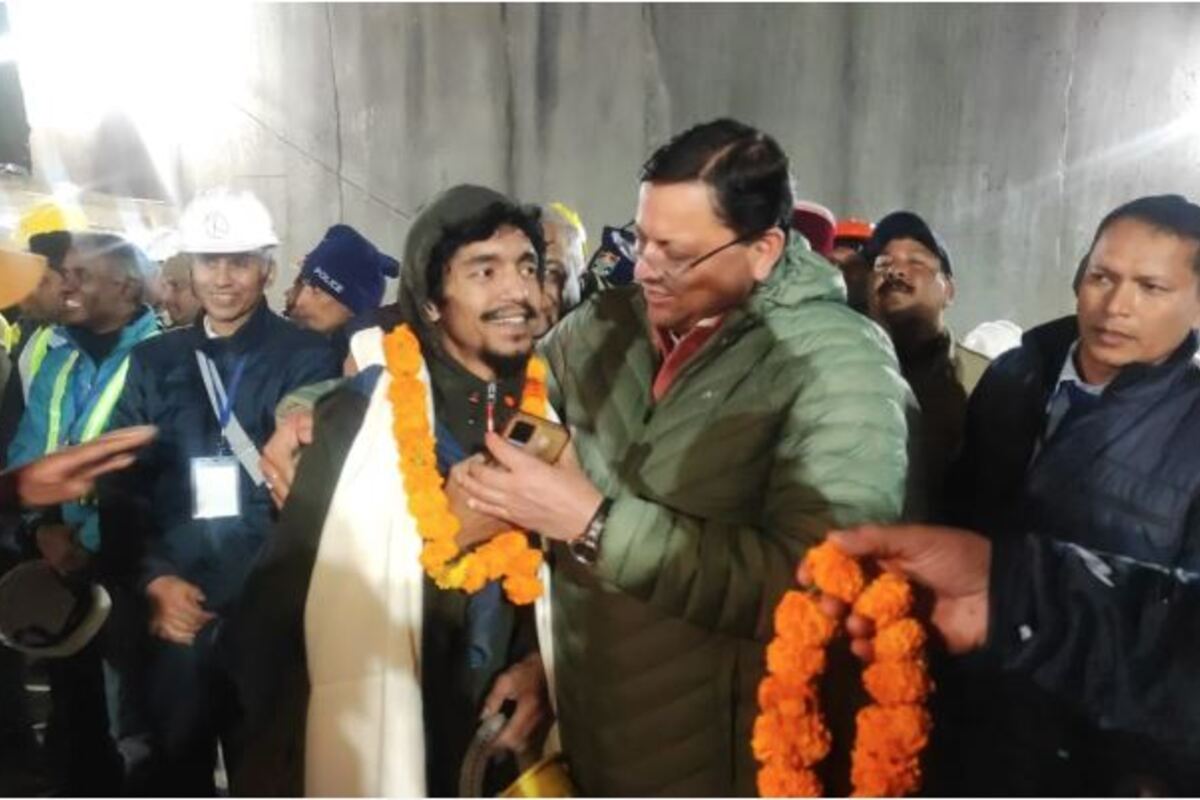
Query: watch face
{"points": [[584, 550]]}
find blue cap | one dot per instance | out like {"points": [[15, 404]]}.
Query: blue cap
{"points": [[346, 265]]}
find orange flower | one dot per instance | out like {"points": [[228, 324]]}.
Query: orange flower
{"points": [[775, 780], [427, 503], [475, 574], [767, 738], [896, 682], [409, 424], [789, 701], [874, 777], [494, 559], [422, 480], [522, 590], [527, 562], [803, 741], [887, 599], [893, 732], [799, 618], [902, 640], [537, 370], [435, 554], [511, 543], [834, 572], [785, 657], [441, 526]]}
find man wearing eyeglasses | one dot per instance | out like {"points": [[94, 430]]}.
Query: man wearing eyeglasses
{"points": [[910, 287], [726, 410]]}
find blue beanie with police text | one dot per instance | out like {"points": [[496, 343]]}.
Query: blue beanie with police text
{"points": [[346, 265]]}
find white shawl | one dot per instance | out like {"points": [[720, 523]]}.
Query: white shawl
{"points": [[365, 734]]}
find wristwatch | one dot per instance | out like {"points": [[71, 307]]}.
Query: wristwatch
{"points": [[586, 548]]}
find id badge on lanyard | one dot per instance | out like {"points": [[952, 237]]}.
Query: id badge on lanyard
{"points": [[216, 487], [216, 480]]}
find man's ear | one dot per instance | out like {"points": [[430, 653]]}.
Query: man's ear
{"points": [[272, 271], [765, 252], [432, 312], [949, 291]]}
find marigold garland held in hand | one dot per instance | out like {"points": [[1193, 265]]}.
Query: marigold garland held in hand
{"points": [[790, 737], [507, 557]]}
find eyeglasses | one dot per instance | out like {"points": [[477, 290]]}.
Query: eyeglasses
{"points": [[676, 268]]}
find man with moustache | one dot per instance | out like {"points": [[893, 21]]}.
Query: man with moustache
{"points": [[910, 286], [1088, 434], [336, 655]]}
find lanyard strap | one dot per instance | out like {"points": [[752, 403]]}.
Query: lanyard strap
{"points": [[222, 402], [244, 449]]}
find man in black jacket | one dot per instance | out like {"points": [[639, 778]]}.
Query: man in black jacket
{"points": [[1032, 605], [181, 528], [1089, 433]]}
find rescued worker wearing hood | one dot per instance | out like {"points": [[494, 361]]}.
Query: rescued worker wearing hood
{"points": [[357, 674]]}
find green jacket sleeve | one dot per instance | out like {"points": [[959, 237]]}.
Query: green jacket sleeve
{"points": [[841, 459]]}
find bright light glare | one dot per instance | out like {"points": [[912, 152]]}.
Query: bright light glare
{"points": [[81, 61], [172, 69]]}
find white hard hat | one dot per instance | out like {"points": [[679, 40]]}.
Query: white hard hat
{"points": [[160, 244], [993, 338], [46, 615], [225, 221]]}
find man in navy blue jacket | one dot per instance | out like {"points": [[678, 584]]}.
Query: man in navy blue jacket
{"points": [[1090, 433], [183, 527]]}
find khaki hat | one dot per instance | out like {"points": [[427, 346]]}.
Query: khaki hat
{"points": [[20, 274]]}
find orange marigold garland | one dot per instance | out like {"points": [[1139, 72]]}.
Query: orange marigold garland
{"points": [[790, 737], [507, 557]]}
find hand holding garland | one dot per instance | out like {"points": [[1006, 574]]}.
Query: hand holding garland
{"points": [[790, 737], [952, 563]]}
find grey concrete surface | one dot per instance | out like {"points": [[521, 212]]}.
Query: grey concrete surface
{"points": [[1012, 128]]}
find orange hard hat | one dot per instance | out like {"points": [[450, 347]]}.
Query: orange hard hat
{"points": [[853, 228]]}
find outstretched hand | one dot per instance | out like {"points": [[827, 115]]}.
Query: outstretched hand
{"points": [[951, 563], [70, 473]]}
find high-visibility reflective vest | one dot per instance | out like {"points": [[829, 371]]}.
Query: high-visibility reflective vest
{"points": [[97, 418], [32, 357]]}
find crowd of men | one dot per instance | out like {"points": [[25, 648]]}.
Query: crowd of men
{"points": [[740, 374]]}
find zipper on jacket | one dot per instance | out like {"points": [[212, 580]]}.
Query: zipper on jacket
{"points": [[491, 407]]}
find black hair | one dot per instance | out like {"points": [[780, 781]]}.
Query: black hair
{"points": [[53, 246], [121, 253], [745, 168], [527, 219], [1172, 213]]}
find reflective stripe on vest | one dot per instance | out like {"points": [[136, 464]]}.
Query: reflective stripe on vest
{"points": [[98, 418], [32, 357]]}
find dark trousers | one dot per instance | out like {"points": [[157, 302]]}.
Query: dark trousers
{"points": [[82, 756], [191, 707]]}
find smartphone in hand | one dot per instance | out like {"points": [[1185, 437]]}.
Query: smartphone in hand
{"points": [[541, 438]]}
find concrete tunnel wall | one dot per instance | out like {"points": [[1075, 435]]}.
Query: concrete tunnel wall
{"points": [[1012, 128]]}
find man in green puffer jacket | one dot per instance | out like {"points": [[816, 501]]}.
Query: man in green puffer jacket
{"points": [[725, 414]]}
